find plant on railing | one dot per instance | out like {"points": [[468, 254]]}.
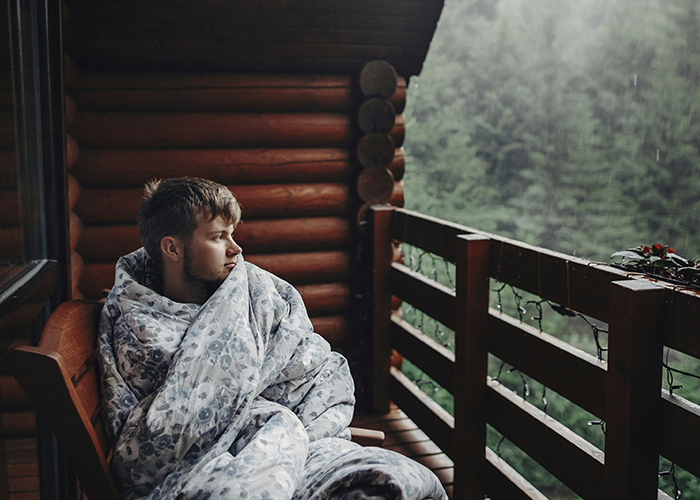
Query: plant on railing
{"points": [[659, 261]]}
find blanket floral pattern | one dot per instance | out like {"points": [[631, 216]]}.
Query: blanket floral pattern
{"points": [[237, 398]]}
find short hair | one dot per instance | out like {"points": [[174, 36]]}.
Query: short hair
{"points": [[170, 208]]}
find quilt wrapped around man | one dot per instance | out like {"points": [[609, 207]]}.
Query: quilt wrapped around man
{"points": [[237, 398]]}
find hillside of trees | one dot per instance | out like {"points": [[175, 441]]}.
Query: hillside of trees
{"points": [[573, 125], [568, 124]]}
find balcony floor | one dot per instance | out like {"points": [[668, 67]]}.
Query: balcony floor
{"points": [[404, 436]]}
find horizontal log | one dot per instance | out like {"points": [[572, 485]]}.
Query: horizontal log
{"points": [[397, 198], [211, 130], [680, 432], [325, 299], [398, 164], [17, 424], [11, 244], [575, 283], [71, 110], [432, 358], [10, 215], [73, 191], [437, 423], [8, 170], [108, 243], [118, 91], [123, 168], [77, 268], [75, 228], [296, 268], [72, 151], [570, 372], [266, 99], [114, 206], [332, 328], [12, 395], [308, 267], [434, 299], [398, 132], [569, 457]]}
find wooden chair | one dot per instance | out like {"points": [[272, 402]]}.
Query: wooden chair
{"points": [[61, 377]]}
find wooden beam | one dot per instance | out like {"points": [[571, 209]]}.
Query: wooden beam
{"points": [[119, 206], [211, 130], [108, 243], [570, 372], [432, 358], [436, 422], [380, 223], [109, 168], [569, 457], [633, 411], [471, 363], [429, 296]]}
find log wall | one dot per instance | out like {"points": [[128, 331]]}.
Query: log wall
{"points": [[286, 146]]}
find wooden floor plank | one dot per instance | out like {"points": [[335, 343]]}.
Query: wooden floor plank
{"points": [[404, 436]]}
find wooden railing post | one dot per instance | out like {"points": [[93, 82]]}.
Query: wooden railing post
{"points": [[471, 359], [381, 303], [633, 391]]}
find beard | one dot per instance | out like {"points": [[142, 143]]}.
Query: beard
{"points": [[201, 285]]}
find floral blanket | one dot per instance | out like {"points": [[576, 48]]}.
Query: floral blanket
{"points": [[237, 398]]}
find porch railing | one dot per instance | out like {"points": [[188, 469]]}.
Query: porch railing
{"points": [[642, 421]]}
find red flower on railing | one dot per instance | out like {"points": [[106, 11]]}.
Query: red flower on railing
{"points": [[660, 261]]}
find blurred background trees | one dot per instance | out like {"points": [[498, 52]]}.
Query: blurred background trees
{"points": [[573, 125], [569, 124]]}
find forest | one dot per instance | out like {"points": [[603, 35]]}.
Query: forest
{"points": [[568, 124]]}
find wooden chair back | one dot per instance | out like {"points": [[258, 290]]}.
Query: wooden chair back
{"points": [[61, 377]]}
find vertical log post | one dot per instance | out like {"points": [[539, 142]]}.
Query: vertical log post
{"points": [[380, 217], [471, 360], [633, 387]]}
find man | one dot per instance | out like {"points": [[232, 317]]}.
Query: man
{"points": [[214, 384]]}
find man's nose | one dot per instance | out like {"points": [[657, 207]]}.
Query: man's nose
{"points": [[233, 248]]}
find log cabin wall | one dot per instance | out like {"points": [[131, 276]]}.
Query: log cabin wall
{"points": [[284, 144]]}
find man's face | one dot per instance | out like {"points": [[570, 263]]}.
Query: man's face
{"points": [[210, 254]]}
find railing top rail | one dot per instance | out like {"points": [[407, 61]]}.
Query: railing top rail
{"points": [[573, 282]]}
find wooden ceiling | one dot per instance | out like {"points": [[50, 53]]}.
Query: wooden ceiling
{"points": [[299, 36]]}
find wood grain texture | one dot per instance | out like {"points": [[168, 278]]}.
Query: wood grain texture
{"points": [[432, 358], [119, 206], [437, 423], [570, 372], [108, 168], [680, 432], [211, 130], [434, 299], [633, 405], [573, 460], [107, 243], [471, 363]]}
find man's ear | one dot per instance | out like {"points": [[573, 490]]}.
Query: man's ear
{"points": [[171, 248]]}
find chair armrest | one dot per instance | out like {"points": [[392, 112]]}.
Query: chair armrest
{"points": [[367, 437]]}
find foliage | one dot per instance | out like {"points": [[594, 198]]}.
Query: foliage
{"points": [[568, 125]]}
